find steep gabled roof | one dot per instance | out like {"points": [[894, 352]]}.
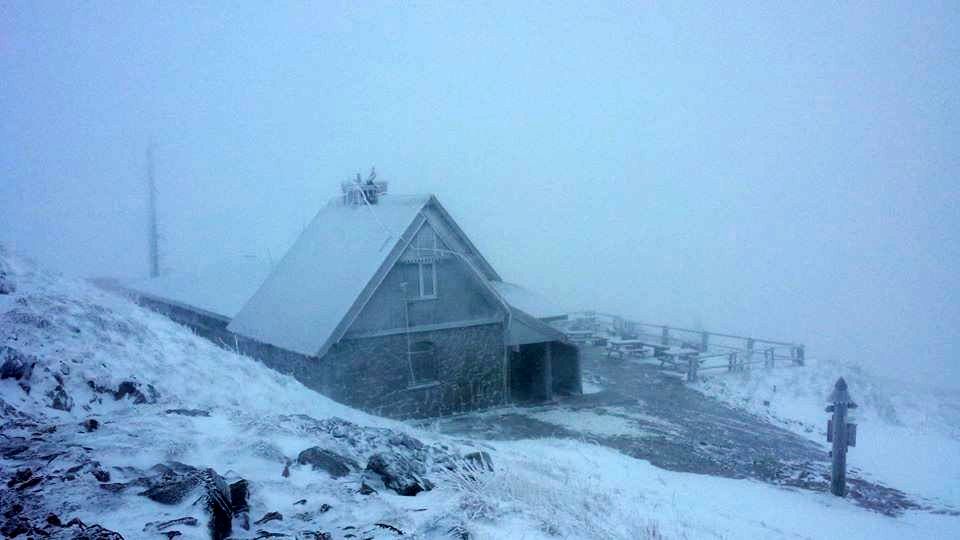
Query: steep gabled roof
{"points": [[308, 301], [320, 278]]}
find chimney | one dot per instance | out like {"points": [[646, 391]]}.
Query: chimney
{"points": [[358, 192]]}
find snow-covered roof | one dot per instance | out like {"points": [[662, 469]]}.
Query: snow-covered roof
{"points": [[528, 301], [219, 289], [302, 303]]}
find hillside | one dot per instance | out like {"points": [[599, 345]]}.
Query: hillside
{"points": [[898, 422], [116, 419]]}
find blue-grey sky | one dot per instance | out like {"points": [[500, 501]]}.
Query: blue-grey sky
{"points": [[788, 171]]}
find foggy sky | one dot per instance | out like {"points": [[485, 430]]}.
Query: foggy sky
{"points": [[788, 172]]}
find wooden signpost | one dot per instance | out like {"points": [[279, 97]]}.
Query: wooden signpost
{"points": [[842, 434]]}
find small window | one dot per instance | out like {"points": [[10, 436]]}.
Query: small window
{"points": [[423, 362], [427, 247], [428, 280]]}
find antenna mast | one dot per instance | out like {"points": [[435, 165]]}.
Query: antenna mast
{"points": [[152, 216]]}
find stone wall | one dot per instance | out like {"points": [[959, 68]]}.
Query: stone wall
{"points": [[373, 373]]}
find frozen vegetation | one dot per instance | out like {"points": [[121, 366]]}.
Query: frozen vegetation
{"points": [[116, 419]]}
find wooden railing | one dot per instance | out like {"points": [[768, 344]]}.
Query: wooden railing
{"points": [[703, 350]]}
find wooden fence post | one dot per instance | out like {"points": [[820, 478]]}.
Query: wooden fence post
{"points": [[692, 364], [749, 354], [768, 357], [842, 434], [800, 359], [665, 336], [704, 341]]}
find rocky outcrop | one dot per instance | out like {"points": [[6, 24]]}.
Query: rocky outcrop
{"points": [[15, 364], [17, 523], [400, 473], [136, 391], [60, 399], [332, 463], [177, 482]]}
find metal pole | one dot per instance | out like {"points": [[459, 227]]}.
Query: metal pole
{"points": [[152, 216]]}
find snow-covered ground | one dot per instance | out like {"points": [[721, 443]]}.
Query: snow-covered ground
{"points": [[908, 435], [88, 345]]}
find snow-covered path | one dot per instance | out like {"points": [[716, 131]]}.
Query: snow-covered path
{"points": [[651, 415]]}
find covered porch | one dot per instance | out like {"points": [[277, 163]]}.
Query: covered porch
{"points": [[541, 363]]}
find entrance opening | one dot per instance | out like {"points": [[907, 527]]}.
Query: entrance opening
{"points": [[528, 372], [538, 371]]}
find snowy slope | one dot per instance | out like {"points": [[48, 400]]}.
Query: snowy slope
{"points": [[87, 345], [898, 423]]}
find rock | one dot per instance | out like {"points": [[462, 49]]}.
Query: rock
{"points": [[365, 489], [20, 476], [59, 399], [239, 492], [188, 412], [399, 473], [29, 483], [267, 534], [189, 521], [175, 482], [95, 532], [115, 487], [405, 441], [314, 535], [324, 508], [172, 534], [445, 527], [101, 475], [13, 450], [242, 520], [76, 530], [14, 509], [334, 464], [15, 365], [268, 517], [390, 528], [217, 497], [54, 520], [132, 389], [286, 470], [91, 424], [301, 501], [479, 461], [172, 491]]}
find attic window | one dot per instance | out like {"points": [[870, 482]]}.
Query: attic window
{"points": [[426, 247]]}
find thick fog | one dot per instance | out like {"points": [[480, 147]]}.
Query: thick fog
{"points": [[789, 173]]}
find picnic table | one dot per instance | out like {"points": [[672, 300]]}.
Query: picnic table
{"points": [[676, 355], [623, 347]]}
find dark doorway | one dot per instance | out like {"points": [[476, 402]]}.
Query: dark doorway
{"points": [[529, 371]]}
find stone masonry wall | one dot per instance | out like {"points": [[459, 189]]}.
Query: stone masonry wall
{"points": [[373, 374]]}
